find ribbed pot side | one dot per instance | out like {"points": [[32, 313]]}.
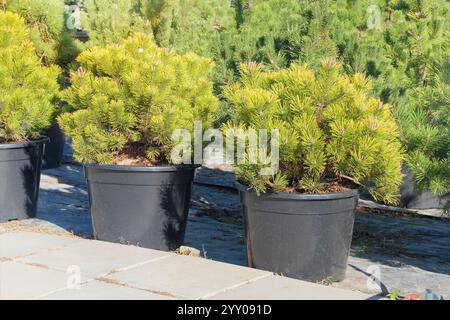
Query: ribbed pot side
{"points": [[20, 171], [143, 206], [54, 150], [303, 236]]}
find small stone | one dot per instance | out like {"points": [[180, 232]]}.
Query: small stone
{"points": [[188, 251]]}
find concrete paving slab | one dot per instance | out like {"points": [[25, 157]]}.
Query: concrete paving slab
{"points": [[412, 250], [98, 290], [21, 281], [282, 288], [127, 272], [94, 258], [397, 276], [19, 244], [187, 277]]}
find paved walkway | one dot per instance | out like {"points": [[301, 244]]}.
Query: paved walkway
{"points": [[42, 266], [406, 253]]}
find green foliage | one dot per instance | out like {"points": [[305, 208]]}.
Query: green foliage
{"points": [[160, 14], [405, 52], [330, 129], [425, 118], [394, 294], [28, 91], [205, 27], [132, 96], [46, 22], [410, 37], [423, 109], [279, 33], [111, 21]]}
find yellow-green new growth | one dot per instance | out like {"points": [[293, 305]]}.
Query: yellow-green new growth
{"points": [[331, 130], [135, 94], [28, 90]]}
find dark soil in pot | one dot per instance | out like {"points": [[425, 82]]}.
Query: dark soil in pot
{"points": [[55, 148], [303, 236], [143, 206], [20, 171]]}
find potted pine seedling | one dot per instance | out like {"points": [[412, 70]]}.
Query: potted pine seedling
{"points": [[125, 102], [46, 21], [333, 139], [28, 94]]}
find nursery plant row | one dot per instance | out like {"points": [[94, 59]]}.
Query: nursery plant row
{"points": [[357, 93], [402, 45]]}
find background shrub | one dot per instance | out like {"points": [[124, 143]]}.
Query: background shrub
{"points": [[205, 27], [111, 21], [28, 90], [406, 55], [46, 22]]}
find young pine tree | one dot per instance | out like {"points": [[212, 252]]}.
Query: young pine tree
{"points": [[47, 25], [278, 33], [111, 21], [205, 27], [425, 118], [332, 132], [28, 90], [127, 99], [421, 34], [402, 45]]}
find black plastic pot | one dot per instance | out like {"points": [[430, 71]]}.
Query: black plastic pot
{"points": [[143, 206], [54, 150], [20, 172], [303, 236], [412, 198]]}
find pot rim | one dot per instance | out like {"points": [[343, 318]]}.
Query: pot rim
{"points": [[21, 145], [350, 193], [125, 168]]}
